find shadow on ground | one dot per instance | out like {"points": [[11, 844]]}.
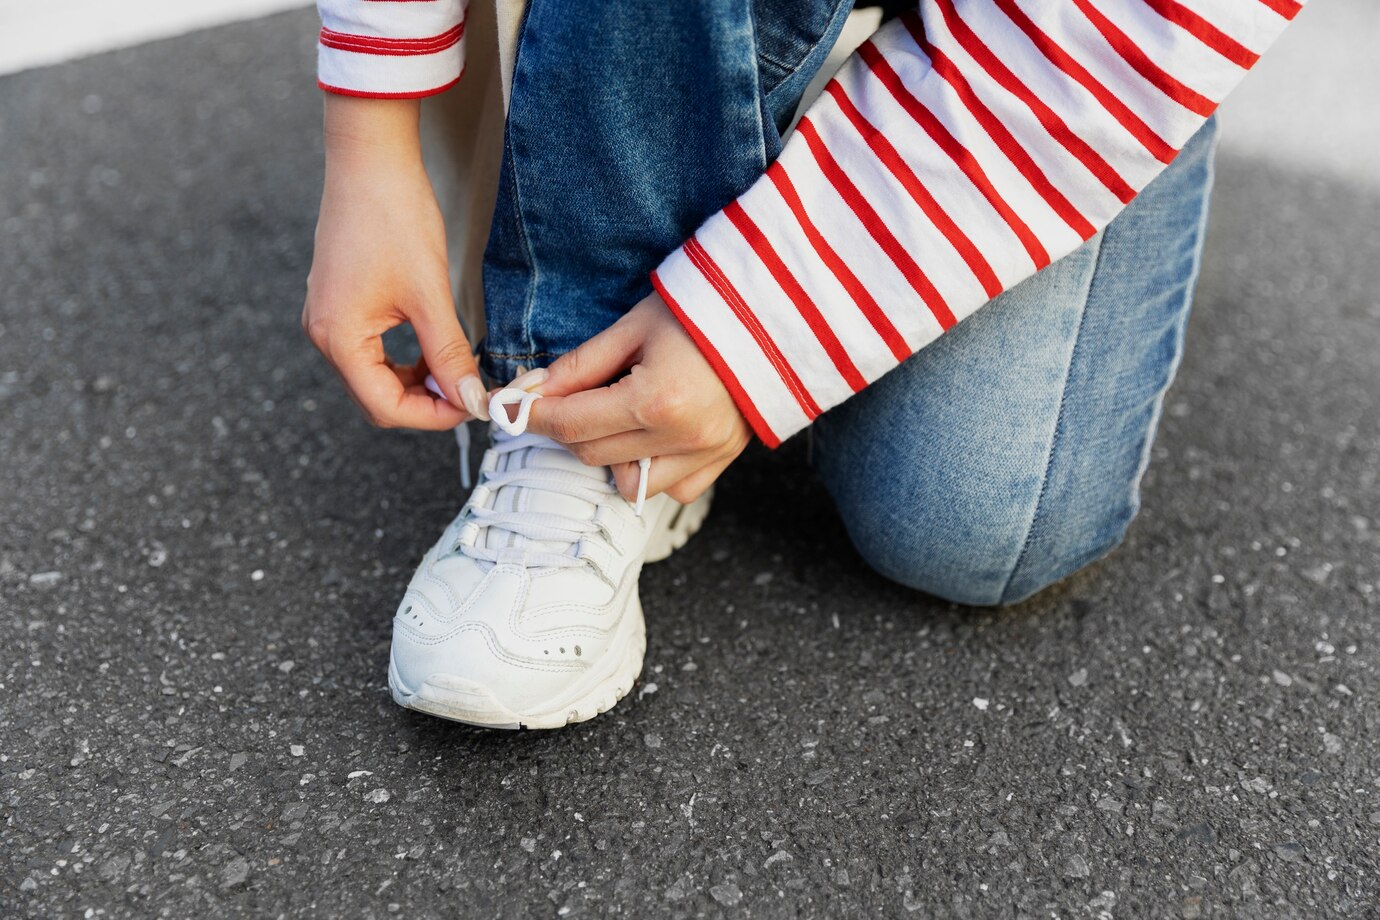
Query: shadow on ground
{"points": [[201, 547]]}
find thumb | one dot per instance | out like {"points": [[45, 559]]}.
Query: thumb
{"points": [[449, 358], [597, 361]]}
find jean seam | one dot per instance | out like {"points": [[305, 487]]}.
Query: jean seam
{"points": [[516, 194], [786, 69], [523, 354], [1181, 330], [1150, 430], [761, 96], [792, 71], [1055, 435]]}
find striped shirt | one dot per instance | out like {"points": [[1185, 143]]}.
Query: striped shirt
{"points": [[962, 148]]}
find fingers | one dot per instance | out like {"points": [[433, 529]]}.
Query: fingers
{"points": [[389, 395], [448, 356], [597, 361], [393, 398], [624, 447], [409, 374], [631, 446], [665, 472], [696, 484], [583, 416]]}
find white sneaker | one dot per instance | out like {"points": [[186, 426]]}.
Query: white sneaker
{"points": [[525, 614]]}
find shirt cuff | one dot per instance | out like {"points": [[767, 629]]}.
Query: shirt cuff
{"points": [[374, 53]]}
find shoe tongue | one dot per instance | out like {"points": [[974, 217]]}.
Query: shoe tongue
{"points": [[543, 500]]}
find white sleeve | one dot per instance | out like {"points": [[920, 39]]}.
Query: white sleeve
{"points": [[964, 147], [390, 49]]}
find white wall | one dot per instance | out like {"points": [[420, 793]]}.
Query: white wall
{"points": [[38, 32], [1313, 102]]}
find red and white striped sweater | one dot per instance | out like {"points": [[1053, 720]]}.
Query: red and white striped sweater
{"points": [[964, 147]]}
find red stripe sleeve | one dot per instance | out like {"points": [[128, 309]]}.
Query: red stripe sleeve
{"points": [[791, 287], [1132, 54], [1052, 123], [731, 296], [1205, 32], [896, 165], [1061, 59], [827, 254], [1286, 8], [399, 47], [876, 227], [998, 132], [366, 94], [965, 145], [730, 380], [956, 152]]}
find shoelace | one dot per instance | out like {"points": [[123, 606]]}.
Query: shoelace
{"points": [[498, 411], [530, 525]]}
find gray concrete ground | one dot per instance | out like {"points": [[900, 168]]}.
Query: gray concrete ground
{"points": [[201, 547]]}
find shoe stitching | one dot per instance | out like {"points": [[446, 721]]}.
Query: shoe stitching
{"points": [[501, 653]]}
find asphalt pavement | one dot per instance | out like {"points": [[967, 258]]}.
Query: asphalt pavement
{"points": [[201, 547]]}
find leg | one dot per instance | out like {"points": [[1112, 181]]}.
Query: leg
{"points": [[1009, 454], [629, 124]]}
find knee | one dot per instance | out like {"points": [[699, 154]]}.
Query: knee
{"points": [[1057, 549], [987, 559], [923, 563]]}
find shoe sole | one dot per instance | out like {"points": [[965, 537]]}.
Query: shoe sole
{"points": [[461, 700]]}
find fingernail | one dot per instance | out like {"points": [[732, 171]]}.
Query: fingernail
{"points": [[474, 397], [530, 380]]}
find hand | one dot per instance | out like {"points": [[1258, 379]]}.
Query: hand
{"points": [[380, 261], [670, 405]]}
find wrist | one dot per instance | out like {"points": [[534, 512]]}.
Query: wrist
{"points": [[369, 132]]}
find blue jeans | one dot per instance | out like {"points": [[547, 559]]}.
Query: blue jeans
{"points": [[995, 462], [630, 123]]}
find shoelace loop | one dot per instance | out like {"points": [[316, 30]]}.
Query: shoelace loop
{"points": [[523, 399], [532, 526]]}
